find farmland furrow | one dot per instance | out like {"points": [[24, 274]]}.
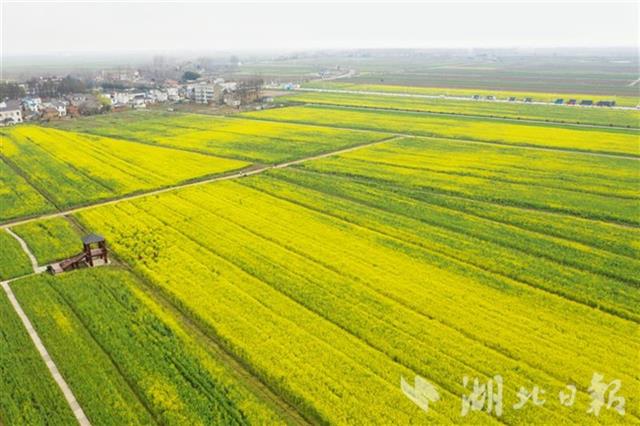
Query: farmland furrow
{"points": [[203, 225], [301, 320], [474, 209], [125, 377], [603, 217], [377, 230], [492, 177], [527, 246], [233, 261], [213, 345]]}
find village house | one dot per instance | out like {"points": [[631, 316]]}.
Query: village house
{"points": [[10, 113], [157, 95], [32, 104], [204, 93], [138, 100], [173, 94], [55, 108]]}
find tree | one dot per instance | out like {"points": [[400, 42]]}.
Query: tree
{"points": [[10, 90], [190, 76]]}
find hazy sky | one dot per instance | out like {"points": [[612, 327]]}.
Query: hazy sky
{"points": [[48, 27]]}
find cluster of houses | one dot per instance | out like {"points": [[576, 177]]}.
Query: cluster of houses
{"points": [[219, 92], [35, 108]]}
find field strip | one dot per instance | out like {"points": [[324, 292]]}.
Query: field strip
{"points": [[53, 369], [550, 122], [460, 260], [236, 366], [498, 177], [25, 176], [300, 304], [34, 262], [238, 174], [447, 227], [540, 209], [454, 98], [498, 144]]}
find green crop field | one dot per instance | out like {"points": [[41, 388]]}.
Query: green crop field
{"points": [[28, 394], [13, 261], [73, 168], [552, 113], [347, 250], [126, 360], [51, 239], [17, 197], [246, 140]]}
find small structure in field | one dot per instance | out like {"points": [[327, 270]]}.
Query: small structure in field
{"points": [[94, 253]]}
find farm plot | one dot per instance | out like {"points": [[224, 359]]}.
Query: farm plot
{"points": [[247, 140], [464, 128], [551, 113], [28, 394], [629, 101], [50, 240], [73, 168], [13, 261], [332, 310], [582, 185], [17, 197], [127, 359]]}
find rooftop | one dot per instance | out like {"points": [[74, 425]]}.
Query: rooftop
{"points": [[92, 238]]}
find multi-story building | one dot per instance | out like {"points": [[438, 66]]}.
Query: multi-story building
{"points": [[10, 113]]}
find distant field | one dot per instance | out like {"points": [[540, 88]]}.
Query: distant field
{"points": [[72, 168], [245, 140], [598, 116], [542, 72], [465, 128], [591, 76], [542, 96]]}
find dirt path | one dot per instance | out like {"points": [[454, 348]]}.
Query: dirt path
{"points": [[53, 369], [252, 170], [34, 262]]}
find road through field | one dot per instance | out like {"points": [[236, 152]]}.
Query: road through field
{"points": [[252, 170]]}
